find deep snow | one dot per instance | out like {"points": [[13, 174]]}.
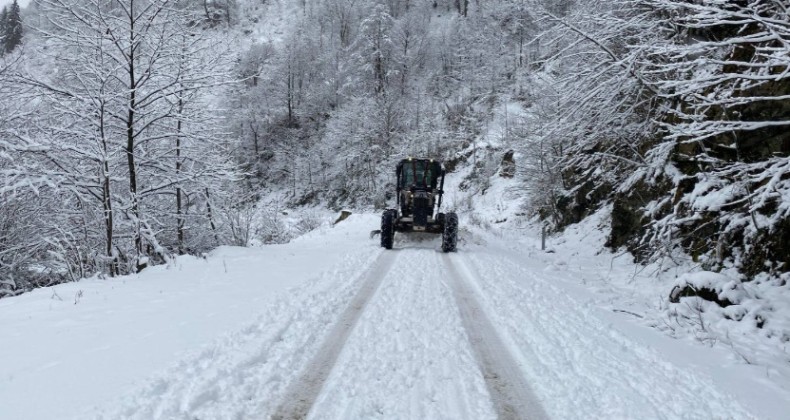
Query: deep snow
{"points": [[224, 337]]}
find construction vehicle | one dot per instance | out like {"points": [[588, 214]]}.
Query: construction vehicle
{"points": [[419, 189]]}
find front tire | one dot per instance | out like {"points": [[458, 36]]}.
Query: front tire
{"points": [[388, 228], [440, 219], [450, 232]]}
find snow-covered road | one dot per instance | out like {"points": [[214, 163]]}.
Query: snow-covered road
{"points": [[356, 332], [579, 362]]}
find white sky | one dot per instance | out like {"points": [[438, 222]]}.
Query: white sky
{"points": [[22, 3]]}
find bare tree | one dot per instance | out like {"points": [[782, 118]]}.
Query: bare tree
{"points": [[128, 111]]}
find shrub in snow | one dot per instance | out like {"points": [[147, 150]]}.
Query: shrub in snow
{"points": [[713, 287], [272, 229], [311, 220], [479, 220], [752, 318], [241, 221]]}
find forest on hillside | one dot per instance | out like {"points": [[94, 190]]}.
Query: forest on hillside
{"points": [[135, 130]]}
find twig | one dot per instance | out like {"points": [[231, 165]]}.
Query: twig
{"points": [[55, 295], [628, 312]]}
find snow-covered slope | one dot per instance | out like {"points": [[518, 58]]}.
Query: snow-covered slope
{"points": [[408, 331]]}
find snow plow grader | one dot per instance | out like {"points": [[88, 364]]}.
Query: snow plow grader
{"points": [[419, 189]]}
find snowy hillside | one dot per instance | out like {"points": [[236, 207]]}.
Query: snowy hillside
{"points": [[233, 336]]}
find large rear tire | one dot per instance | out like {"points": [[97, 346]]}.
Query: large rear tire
{"points": [[450, 232], [388, 228]]}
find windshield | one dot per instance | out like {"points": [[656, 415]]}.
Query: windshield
{"points": [[419, 173]]}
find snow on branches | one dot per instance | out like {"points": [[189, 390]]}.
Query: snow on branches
{"points": [[725, 69], [724, 78], [678, 113], [121, 145]]}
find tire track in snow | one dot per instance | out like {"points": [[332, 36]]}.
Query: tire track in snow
{"points": [[581, 365], [302, 393], [243, 374], [511, 395], [409, 357]]}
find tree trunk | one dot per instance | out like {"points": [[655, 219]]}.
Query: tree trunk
{"points": [[108, 219], [205, 7], [256, 146], [179, 208], [405, 71], [107, 197], [211, 217], [130, 120], [290, 93]]}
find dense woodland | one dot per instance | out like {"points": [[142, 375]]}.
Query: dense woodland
{"points": [[135, 130]]}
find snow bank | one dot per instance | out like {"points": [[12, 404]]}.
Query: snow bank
{"points": [[72, 346]]}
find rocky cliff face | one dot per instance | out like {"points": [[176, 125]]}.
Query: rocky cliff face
{"points": [[716, 179]]}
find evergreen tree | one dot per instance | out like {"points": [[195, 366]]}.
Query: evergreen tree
{"points": [[12, 28], [3, 24]]}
